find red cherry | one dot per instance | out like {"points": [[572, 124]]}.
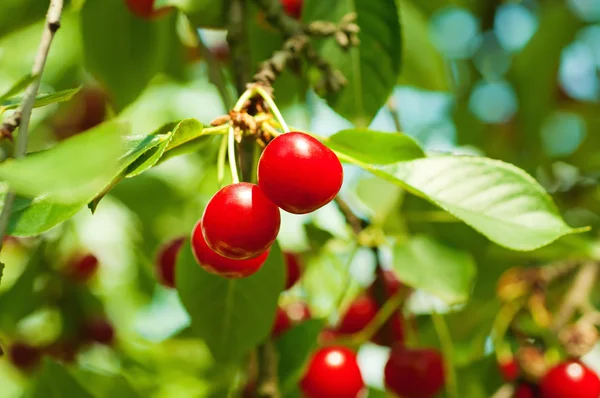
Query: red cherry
{"points": [[83, 268], [24, 356], [214, 263], [391, 333], [166, 260], [332, 373], [63, 351], [282, 323], [414, 373], [509, 369], [328, 336], [299, 173], [293, 8], [99, 330], [570, 379], [524, 390], [292, 262], [240, 222], [358, 315], [145, 9]]}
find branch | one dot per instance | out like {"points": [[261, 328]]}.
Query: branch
{"points": [[22, 115], [238, 43], [215, 72], [577, 295], [356, 223], [267, 384]]}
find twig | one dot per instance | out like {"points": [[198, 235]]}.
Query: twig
{"points": [[393, 109], [215, 72], [352, 219], [577, 294], [22, 115], [448, 350], [238, 44], [267, 384], [274, 14]]}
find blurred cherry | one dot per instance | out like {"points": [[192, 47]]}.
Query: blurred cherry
{"points": [[358, 315], [24, 356], [414, 373], [294, 269], [145, 9], [166, 260], [87, 109], [82, 268], [282, 322], [99, 330]]}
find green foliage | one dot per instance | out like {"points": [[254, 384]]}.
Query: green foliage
{"points": [[294, 348], [230, 315], [372, 68], [203, 13], [421, 257], [126, 56], [18, 87], [55, 382], [42, 99]]}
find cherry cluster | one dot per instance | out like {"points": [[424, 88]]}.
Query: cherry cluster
{"points": [[92, 329], [240, 223], [570, 378]]}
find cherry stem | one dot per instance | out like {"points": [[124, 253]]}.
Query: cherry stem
{"points": [[447, 346], [500, 326], [221, 160], [267, 98], [231, 154], [385, 312]]}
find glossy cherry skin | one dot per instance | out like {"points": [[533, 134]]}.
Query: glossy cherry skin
{"points": [[214, 263], [570, 379], [293, 8], [99, 330], [282, 322], [332, 373], [414, 373], [240, 222], [83, 268], [166, 260], [299, 173], [524, 390], [293, 268], [358, 315], [24, 356], [144, 9], [509, 369]]}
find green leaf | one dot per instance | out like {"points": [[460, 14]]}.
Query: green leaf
{"points": [[294, 348], [105, 385], [55, 382], [373, 67], [15, 14], [426, 264], [202, 13], [423, 65], [18, 87], [125, 56], [42, 99], [375, 147], [33, 216], [498, 199], [230, 315], [74, 170], [189, 135], [380, 196]]}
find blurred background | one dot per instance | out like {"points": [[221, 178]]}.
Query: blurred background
{"points": [[512, 80]]}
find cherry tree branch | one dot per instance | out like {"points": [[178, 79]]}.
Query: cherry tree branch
{"points": [[22, 115]]}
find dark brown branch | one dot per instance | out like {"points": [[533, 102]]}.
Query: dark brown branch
{"points": [[22, 115], [238, 44]]}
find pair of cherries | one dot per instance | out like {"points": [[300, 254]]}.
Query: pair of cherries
{"points": [[240, 223]]}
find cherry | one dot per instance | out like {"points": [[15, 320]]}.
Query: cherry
{"points": [[391, 333], [240, 222], [509, 369], [292, 262], [328, 336], [524, 390], [417, 373], [63, 351], [214, 263], [570, 379], [391, 283], [24, 356], [166, 260], [332, 373], [87, 110], [282, 322], [293, 8], [99, 330], [83, 268], [358, 315], [145, 9], [299, 173]]}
